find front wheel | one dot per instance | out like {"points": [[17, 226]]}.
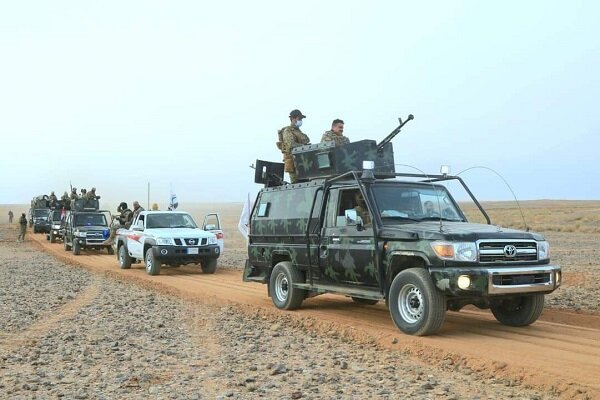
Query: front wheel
{"points": [[416, 306], [152, 265], [209, 266], [76, 248], [65, 244], [281, 284], [52, 238], [518, 311], [124, 259]]}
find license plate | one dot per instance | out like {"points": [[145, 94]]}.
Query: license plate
{"points": [[192, 250]]}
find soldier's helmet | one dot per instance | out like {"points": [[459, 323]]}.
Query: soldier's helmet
{"points": [[122, 206], [52, 193], [74, 189], [93, 190], [65, 194]]}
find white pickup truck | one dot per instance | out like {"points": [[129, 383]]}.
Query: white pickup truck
{"points": [[170, 238]]}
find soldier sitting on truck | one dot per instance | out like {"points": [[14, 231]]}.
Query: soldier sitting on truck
{"points": [[124, 219], [336, 134], [91, 195]]}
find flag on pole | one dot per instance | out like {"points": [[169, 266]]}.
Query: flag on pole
{"points": [[244, 223], [173, 203]]}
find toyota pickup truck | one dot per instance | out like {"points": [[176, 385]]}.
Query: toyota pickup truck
{"points": [[171, 238]]}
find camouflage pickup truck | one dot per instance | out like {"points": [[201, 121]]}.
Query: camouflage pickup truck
{"points": [[401, 238]]}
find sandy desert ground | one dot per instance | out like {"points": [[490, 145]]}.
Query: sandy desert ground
{"points": [[78, 327]]}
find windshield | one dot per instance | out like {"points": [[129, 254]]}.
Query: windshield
{"points": [[89, 220], [56, 215], [168, 220], [40, 213], [415, 203]]}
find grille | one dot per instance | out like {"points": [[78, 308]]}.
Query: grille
{"points": [[525, 279], [492, 251], [190, 242], [94, 237]]}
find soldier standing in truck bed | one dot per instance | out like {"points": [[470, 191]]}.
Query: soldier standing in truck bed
{"points": [[289, 137], [336, 134], [91, 195]]}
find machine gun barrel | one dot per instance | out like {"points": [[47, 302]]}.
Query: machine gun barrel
{"points": [[393, 134]]}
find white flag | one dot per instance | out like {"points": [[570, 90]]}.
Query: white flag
{"points": [[173, 203], [243, 225]]}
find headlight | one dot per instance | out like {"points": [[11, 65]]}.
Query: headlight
{"points": [[543, 250], [164, 241], [466, 251], [80, 234], [212, 240]]}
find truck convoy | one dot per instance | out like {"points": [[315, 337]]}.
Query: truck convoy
{"points": [[360, 230]]}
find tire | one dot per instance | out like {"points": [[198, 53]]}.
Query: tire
{"points": [[34, 229], [518, 311], [48, 237], [283, 294], [111, 251], [209, 266], [124, 259], [416, 306], [152, 265], [52, 238], [76, 248], [367, 302], [65, 244]]}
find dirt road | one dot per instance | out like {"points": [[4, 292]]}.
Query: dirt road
{"points": [[560, 353]]}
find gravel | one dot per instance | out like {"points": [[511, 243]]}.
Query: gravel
{"points": [[68, 333]]}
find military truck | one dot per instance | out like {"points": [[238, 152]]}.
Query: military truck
{"points": [[372, 235], [38, 214], [56, 218], [86, 227]]}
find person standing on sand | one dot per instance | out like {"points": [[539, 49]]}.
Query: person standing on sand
{"points": [[10, 216], [22, 228]]}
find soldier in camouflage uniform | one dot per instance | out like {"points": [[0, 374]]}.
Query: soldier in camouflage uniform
{"points": [[53, 199], [91, 195], [336, 134], [22, 228], [124, 218], [137, 209], [289, 137], [361, 208]]}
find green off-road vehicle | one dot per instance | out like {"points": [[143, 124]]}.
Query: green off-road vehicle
{"points": [[401, 238]]}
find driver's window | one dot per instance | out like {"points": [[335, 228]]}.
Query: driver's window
{"points": [[352, 200]]}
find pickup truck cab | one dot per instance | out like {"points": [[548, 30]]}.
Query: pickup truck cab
{"points": [[168, 237]]}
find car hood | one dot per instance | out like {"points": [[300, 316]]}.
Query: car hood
{"points": [[455, 231], [178, 233]]}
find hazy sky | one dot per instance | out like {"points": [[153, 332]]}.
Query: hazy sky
{"points": [[116, 94]]}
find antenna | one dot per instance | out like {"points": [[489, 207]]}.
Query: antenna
{"points": [[507, 185]]}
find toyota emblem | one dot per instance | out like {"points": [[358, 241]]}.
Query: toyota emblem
{"points": [[510, 250]]}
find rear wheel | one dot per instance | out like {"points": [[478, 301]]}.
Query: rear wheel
{"points": [[518, 311], [124, 259], [209, 266], [416, 306], [66, 245], [76, 248], [368, 302], [152, 265], [283, 294]]}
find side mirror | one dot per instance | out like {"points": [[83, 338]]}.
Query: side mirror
{"points": [[351, 217]]}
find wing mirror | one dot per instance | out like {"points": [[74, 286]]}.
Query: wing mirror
{"points": [[352, 219]]}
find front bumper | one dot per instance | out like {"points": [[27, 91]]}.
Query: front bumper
{"points": [[491, 281], [186, 254]]}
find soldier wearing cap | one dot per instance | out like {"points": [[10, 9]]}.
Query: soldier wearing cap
{"points": [[336, 134], [289, 137]]}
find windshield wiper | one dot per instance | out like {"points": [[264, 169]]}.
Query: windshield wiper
{"points": [[440, 218], [400, 217]]}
